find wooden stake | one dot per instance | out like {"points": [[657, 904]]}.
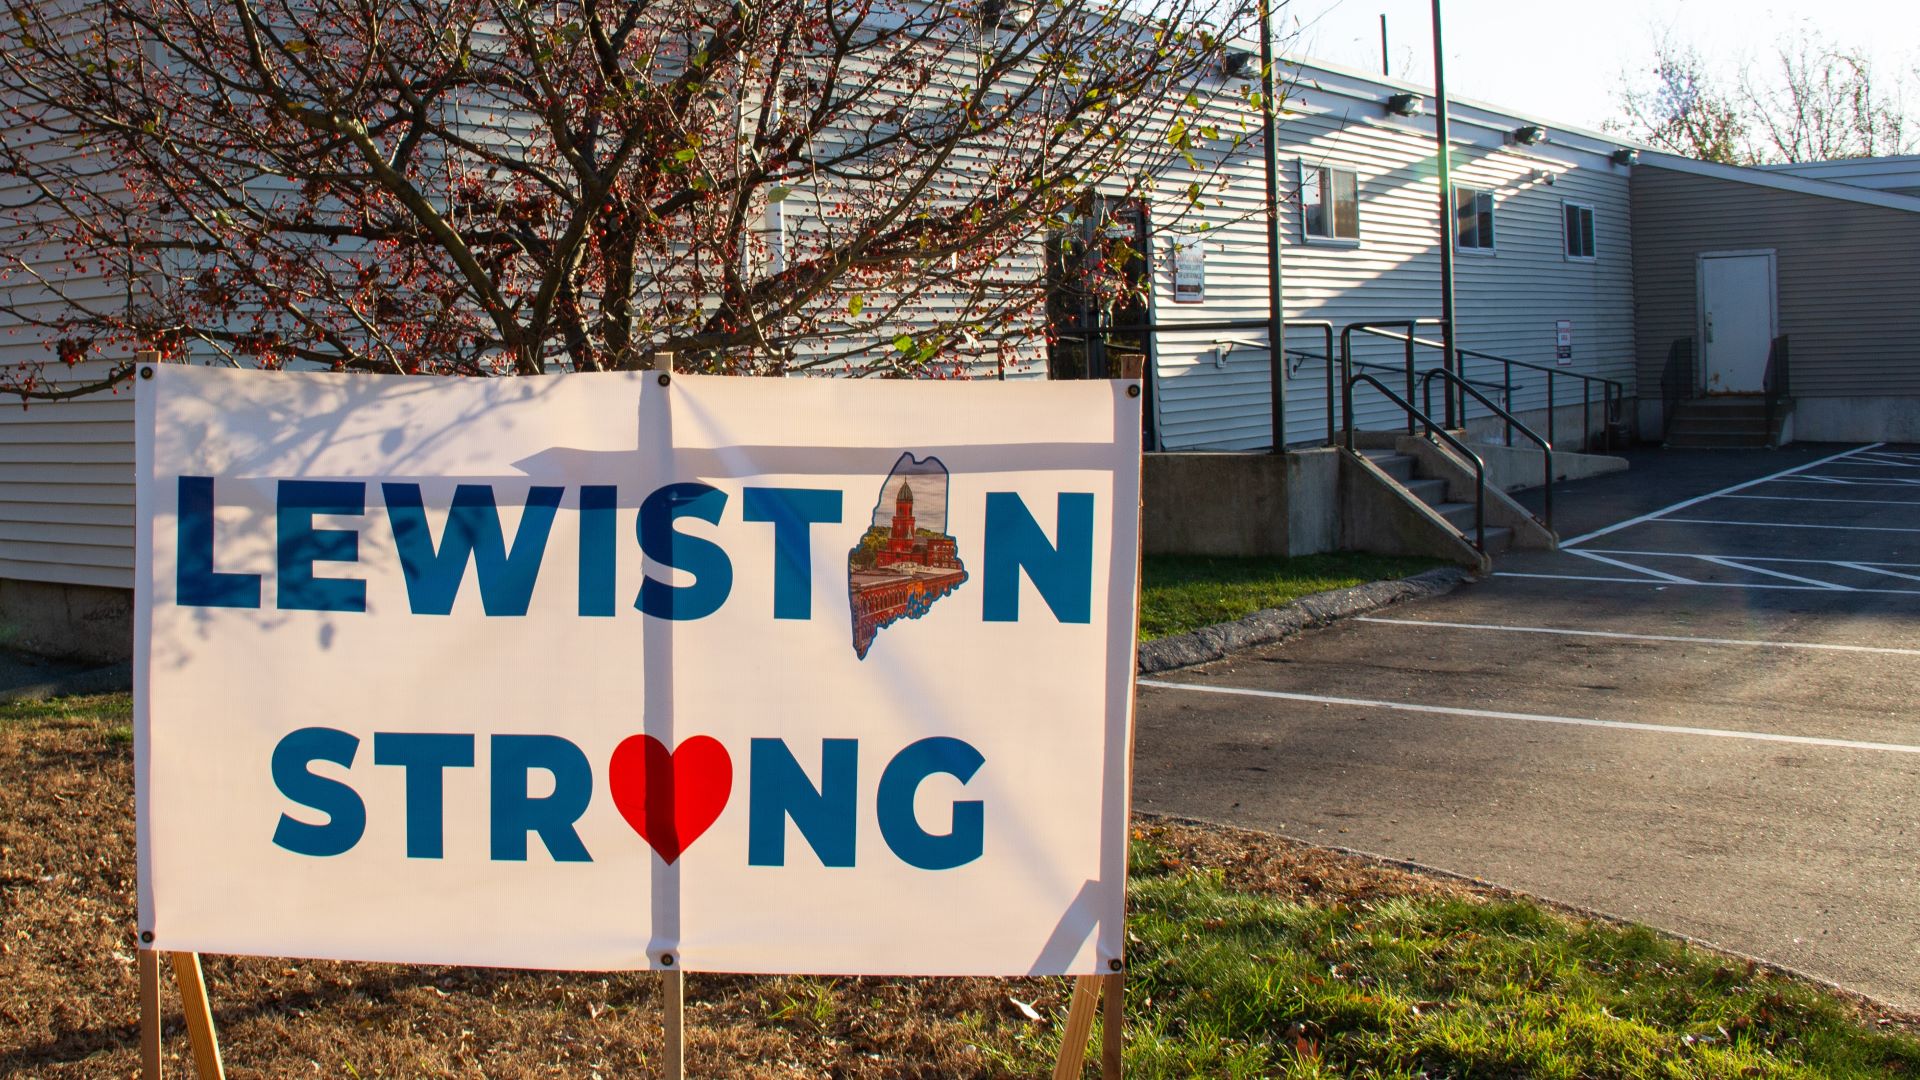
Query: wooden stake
{"points": [[200, 1032], [1073, 1041], [1113, 1002], [149, 964], [673, 995]]}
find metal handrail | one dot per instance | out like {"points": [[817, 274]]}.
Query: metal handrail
{"points": [[1779, 380], [1216, 325], [1346, 358], [1413, 414], [1613, 392], [1513, 422], [1677, 382]]}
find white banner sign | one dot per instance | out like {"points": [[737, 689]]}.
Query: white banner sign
{"points": [[592, 672]]}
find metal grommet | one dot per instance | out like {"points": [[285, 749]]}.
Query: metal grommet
{"points": [[1114, 965], [1133, 389], [666, 958], [665, 378], [146, 936], [146, 372]]}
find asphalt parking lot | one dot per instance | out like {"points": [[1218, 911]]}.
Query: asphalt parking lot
{"points": [[1699, 714]]}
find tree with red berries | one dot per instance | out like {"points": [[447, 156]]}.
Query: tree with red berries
{"points": [[488, 187]]}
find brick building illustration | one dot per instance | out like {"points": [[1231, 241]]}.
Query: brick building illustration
{"points": [[906, 561]]}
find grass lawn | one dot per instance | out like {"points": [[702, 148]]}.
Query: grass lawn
{"points": [[1251, 956], [1182, 593]]}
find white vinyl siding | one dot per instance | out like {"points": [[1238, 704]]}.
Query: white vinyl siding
{"points": [[1507, 306]]}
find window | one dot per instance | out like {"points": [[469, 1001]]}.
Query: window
{"points": [[1329, 203], [1473, 219], [1579, 231]]}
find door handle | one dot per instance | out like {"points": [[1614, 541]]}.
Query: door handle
{"points": [[1709, 327]]}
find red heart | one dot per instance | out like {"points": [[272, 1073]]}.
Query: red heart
{"points": [[670, 798]]}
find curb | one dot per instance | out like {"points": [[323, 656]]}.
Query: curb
{"points": [[114, 678], [1306, 613]]}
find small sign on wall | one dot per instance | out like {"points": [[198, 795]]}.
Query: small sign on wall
{"points": [[1189, 270], [1563, 342]]}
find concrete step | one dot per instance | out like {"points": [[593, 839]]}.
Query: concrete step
{"points": [[1717, 440], [1458, 514], [1708, 423], [1722, 407], [1430, 492], [1398, 466]]}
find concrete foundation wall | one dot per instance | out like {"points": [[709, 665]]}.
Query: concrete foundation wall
{"points": [[1857, 419], [1302, 503], [1240, 504], [72, 622]]}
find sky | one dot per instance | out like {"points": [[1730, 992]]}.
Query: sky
{"points": [[1556, 60]]}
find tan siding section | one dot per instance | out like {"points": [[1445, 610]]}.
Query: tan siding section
{"points": [[1849, 277], [66, 491]]}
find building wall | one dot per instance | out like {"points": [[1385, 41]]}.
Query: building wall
{"points": [[1848, 274], [1508, 301]]}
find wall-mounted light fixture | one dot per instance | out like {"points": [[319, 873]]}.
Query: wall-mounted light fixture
{"points": [[1626, 155], [1529, 134], [1235, 63], [1406, 105]]}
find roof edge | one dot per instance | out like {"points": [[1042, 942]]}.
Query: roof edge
{"points": [[1826, 189]]}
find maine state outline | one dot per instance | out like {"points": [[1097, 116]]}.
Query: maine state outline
{"points": [[906, 561]]}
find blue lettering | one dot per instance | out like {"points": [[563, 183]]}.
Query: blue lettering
{"points": [[705, 560], [301, 545], [517, 813], [913, 844], [196, 583], [1062, 574], [793, 511], [425, 756], [472, 532], [597, 532], [779, 789], [347, 815]]}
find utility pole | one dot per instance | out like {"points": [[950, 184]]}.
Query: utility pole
{"points": [[1276, 301], [1385, 68], [1447, 224]]}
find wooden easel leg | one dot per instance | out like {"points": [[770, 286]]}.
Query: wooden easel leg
{"points": [[673, 993], [200, 1033], [1073, 1041], [1113, 1007], [149, 965]]}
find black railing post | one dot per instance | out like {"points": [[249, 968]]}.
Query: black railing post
{"points": [[1586, 416], [1550, 437], [1412, 327], [1506, 397]]}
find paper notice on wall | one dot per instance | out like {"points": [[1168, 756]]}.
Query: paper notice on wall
{"points": [[1189, 270], [1563, 342]]}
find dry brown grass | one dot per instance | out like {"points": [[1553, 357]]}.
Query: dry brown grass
{"points": [[68, 991]]}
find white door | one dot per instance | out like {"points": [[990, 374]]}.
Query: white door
{"points": [[1736, 304]]}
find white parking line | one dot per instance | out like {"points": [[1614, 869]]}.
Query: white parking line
{"points": [[1851, 565], [1661, 574], [1701, 584], [1846, 481], [1537, 718], [1683, 504], [1625, 636], [1735, 564], [1785, 525], [1806, 499]]}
